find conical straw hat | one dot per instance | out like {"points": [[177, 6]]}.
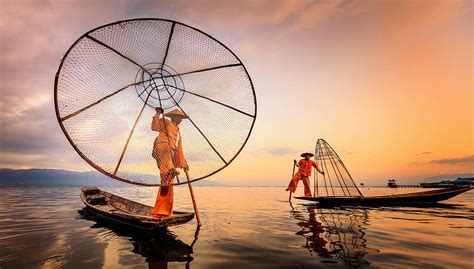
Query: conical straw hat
{"points": [[177, 114]]}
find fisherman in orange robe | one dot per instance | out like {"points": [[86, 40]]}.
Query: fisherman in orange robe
{"points": [[304, 172], [168, 153]]}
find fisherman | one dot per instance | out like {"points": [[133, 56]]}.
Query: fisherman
{"points": [[168, 153], [304, 172]]}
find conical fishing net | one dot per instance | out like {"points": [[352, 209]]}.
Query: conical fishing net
{"points": [[111, 80], [337, 181]]}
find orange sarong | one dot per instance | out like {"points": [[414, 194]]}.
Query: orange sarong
{"points": [[164, 160], [294, 184], [168, 153], [164, 201]]}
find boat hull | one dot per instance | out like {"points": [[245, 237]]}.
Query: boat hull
{"points": [[400, 199], [121, 210]]}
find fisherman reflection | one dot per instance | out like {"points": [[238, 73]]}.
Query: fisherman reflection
{"points": [[168, 153], [338, 233], [312, 230]]}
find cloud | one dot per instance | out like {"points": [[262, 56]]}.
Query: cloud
{"points": [[314, 14], [463, 160], [280, 151], [425, 153], [29, 127], [277, 40], [275, 151]]}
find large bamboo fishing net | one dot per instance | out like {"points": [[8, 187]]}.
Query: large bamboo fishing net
{"points": [[112, 78], [336, 181]]}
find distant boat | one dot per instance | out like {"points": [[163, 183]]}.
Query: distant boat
{"points": [[392, 183], [124, 211]]}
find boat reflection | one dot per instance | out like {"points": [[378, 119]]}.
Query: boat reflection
{"points": [[336, 234], [158, 247]]}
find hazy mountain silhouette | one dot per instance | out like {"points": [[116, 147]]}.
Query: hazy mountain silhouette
{"points": [[447, 177], [57, 177]]}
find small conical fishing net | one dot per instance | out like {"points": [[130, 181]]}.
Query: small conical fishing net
{"points": [[337, 180], [111, 80]]}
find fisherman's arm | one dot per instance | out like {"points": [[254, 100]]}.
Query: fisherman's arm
{"points": [[315, 165], [296, 163], [156, 124]]}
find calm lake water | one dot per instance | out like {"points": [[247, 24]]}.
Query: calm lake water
{"points": [[243, 227]]}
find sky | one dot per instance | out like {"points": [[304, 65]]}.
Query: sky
{"points": [[388, 84]]}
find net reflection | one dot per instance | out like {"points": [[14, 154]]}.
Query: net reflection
{"points": [[158, 247], [335, 234]]}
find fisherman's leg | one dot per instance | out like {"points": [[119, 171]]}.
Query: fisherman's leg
{"points": [[164, 203], [307, 187], [164, 199], [293, 183], [159, 197]]}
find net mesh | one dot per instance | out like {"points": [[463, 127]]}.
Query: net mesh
{"points": [[113, 77], [336, 181]]}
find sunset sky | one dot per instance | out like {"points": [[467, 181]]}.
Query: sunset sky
{"points": [[387, 83]]}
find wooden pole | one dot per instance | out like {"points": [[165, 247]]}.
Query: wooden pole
{"points": [[292, 175], [315, 178], [196, 212]]}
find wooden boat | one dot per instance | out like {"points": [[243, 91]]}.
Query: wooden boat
{"points": [[119, 209], [156, 246], [398, 199]]}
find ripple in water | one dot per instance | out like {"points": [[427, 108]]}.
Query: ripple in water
{"points": [[243, 227]]}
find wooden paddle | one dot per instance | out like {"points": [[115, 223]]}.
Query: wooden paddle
{"points": [[292, 175], [192, 197]]}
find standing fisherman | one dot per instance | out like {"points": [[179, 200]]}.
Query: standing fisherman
{"points": [[304, 172], [168, 153]]}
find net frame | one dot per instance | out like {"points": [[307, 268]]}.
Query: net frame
{"points": [[173, 23], [338, 182]]}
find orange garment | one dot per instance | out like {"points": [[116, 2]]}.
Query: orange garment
{"points": [[304, 172], [163, 126], [294, 184], [172, 143], [163, 154], [168, 152], [306, 167], [164, 200]]}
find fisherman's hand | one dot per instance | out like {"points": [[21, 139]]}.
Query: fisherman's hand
{"points": [[158, 110], [186, 169], [294, 161]]}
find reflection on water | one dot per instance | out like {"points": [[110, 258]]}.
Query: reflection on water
{"points": [[242, 228], [335, 233], [158, 247]]}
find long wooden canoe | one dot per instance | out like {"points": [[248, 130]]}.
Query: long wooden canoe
{"points": [[119, 209], [398, 199]]}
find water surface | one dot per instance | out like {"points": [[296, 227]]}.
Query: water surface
{"points": [[243, 227]]}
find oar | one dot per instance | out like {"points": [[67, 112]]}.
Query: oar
{"points": [[292, 175], [192, 198]]}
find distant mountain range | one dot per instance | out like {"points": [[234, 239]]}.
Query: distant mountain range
{"points": [[447, 177], [57, 177]]}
